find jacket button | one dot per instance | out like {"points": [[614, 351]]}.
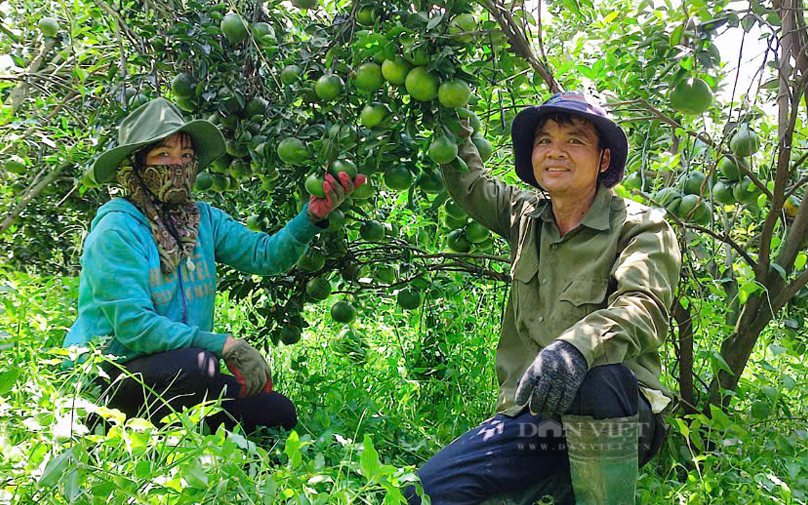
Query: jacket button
{"points": [[554, 247], [541, 319], [543, 282]]}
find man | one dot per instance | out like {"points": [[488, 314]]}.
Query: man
{"points": [[593, 276]]}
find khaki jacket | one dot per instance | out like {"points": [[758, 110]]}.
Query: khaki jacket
{"points": [[604, 287]]}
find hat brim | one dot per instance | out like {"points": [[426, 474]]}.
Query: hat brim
{"points": [[208, 141], [523, 132]]}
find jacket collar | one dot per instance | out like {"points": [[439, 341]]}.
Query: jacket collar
{"points": [[597, 217]]}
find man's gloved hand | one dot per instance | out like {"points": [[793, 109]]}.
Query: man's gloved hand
{"points": [[551, 382], [335, 194], [249, 367]]}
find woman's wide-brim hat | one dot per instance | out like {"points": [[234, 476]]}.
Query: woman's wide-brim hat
{"points": [[523, 133], [150, 123]]}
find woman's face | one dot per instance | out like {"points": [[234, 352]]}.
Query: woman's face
{"points": [[174, 150]]}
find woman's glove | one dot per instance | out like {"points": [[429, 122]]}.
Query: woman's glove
{"points": [[551, 382], [249, 367], [335, 194]]}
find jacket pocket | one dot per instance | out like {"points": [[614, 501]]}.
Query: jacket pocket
{"points": [[583, 296]]}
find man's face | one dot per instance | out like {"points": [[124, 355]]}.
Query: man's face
{"points": [[566, 159]]}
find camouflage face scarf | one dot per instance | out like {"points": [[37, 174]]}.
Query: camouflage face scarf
{"points": [[163, 194]]}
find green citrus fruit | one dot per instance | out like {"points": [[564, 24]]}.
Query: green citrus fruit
{"points": [[442, 150], [398, 178], [421, 84], [364, 191], [290, 74], [343, 312], [364, 16], [203, 182], [304, 4], [221, 182], [693, 182], [368, 77], [328, 87], [722, 192], [791, 206], [454, 223], [311, 261], [183, 85], [431, 182], [48, 26], [745, 142], [290, 335], [460, 24], [372, 231], [384, 273], [730, 170], [703, 213], [686, 205], [745, 191], [292, 151], [396, 70], [691, 96], [408, 299], [346, 166], [263, 33], [476, 233], [484, 147], [15, 164], [665, 195], [454, 93], [373, 114], [314, 185], [457, 242], [233, 28], [318, 288], [454, 210], [257, 106], [253, 222], [137, 100]]}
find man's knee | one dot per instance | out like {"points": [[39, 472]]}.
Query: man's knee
{"points": [[607, 391]]}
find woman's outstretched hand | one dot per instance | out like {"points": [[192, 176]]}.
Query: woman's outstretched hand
{"points": [[335, 194]]}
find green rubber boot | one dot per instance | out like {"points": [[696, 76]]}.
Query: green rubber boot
{"points": [[603, 459]]}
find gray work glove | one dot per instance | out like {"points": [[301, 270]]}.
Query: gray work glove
{"points": [[552, 380], [249, 367]]}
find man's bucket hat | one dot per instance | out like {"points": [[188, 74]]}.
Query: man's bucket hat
{"points": [[523, 132], [152, 122]]}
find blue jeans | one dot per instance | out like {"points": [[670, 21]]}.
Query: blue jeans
{"points": [[507, 455], [187, 377]]}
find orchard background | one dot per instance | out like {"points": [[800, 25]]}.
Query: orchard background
{"points": [[384, 334]]}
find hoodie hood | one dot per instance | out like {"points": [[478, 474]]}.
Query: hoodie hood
{"points": [[120, 205]]}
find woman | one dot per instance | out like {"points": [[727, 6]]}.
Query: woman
{"points": [[148, 278]]}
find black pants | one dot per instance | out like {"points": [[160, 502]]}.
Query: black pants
{"points": [[187, 377], [507, 455]]}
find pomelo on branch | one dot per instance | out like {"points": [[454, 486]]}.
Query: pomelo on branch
{"points": [[730, 170], [328, 87], [454, 93], [686, 205], [314, 185], [311, 261], [290, 74], [318, 288], [460, 25], [343, 312], [457, 242], [221, 182], [384, 273], [408, 299], [484, 147], [722, 192], [373, 114], [292, 151], [364, 191], [48, 26], [290, 335], [203, 182], [253, 222], [431, 182], [368, 77], [257, 106], [398, 178], [744, 142], [336, 220], [745, 191], [364, 15], [442, 150], [421, 84], [693, 182], [183, 85], [233, 28], [691, 96], [476, 233], [371, 230], [346, 166], [395, 71], [791, 206], [454, 223], [263, 33], [454, 210]]}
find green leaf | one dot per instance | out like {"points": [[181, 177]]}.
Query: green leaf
{"points": [[8, 379], [369, 460], [55, 468]]}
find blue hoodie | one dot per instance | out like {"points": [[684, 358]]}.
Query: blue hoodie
{"points": [[124, 295]]}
